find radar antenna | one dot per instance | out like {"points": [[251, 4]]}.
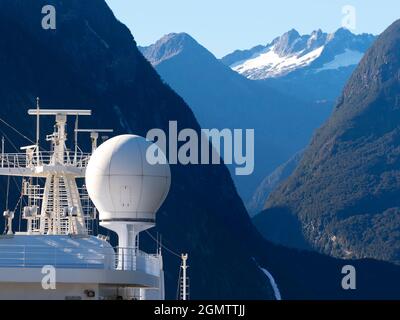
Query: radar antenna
{"points": [[94, 135]]}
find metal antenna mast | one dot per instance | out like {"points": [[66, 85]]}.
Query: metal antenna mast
{"points": [[76, 138], [61, 211], [37, 127], [184, 279]]}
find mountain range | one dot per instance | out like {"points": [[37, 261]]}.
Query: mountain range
{"points": [[342, 199], [311, 67], [284, 111], [318, 51], [221, 98], [91, 60]]}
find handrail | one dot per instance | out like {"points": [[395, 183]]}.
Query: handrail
{"points": [[23, 160], [91, 257]]}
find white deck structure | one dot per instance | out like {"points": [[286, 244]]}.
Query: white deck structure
{"points": [[58, 245]]}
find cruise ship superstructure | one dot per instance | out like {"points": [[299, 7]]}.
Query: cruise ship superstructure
{"points": [[64, 192]]}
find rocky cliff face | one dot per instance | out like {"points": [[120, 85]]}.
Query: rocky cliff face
{"points": [[270, 183]]}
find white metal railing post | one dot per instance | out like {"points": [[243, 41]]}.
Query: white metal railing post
{"points": [[24, 257], [132, 257], [123, 259]]}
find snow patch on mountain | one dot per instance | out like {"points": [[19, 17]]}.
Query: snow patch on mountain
{"points": [[271, 64], [346, 59], [290, 52]]}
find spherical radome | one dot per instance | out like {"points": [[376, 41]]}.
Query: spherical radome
{"points": [[122, 184]]}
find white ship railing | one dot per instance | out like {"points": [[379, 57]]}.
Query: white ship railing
{"points": [[134, 259], [23, 160], [33, 256]]}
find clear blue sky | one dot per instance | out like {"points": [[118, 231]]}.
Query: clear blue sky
{"points": [[225, 25]]}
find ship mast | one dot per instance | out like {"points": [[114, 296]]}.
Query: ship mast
{"points": [[37, 128], [61, 209]]}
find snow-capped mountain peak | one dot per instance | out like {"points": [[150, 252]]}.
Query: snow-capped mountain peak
{"points": [[292, 51]]}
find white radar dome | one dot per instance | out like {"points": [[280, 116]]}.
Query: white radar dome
{"points": [[122, 184]]}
